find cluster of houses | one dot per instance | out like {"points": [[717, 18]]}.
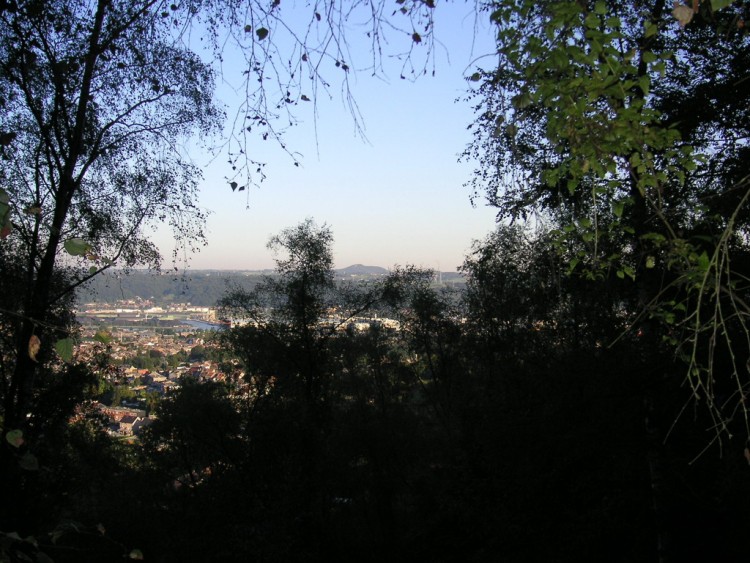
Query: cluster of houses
{"points": [[132, 415], [129, 417], [125, 421]]}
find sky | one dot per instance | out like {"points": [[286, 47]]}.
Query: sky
{"points": [[397, 197]]}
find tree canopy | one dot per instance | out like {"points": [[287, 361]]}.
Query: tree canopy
{"points": [[539, 415], [623, 126], [99, 102]]}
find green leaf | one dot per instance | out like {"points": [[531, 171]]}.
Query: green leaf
{"points": [[76, 246], [476, 77], [614, 22], [719, 4], [103, 336], [136, 554], [15, 438], [29, 462], [650, 262], [262, 33], [521, 101], [645, 83], [600, 7], [703, 261], [64, 349], [651, 29], [617, 208]]}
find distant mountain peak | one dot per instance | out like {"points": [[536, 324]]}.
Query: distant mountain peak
{"points": [[361, 270]]}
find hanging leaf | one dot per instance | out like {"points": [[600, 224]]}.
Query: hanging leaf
{"points": [[416, 37], [6, 138], [15, 438], [704, 262], [64, 349], [233, 185], [719, 4], [34, 345], [645, 83], [683, 14], [262, 33], [5, 224], [29, 462], [103, 336], [136, 554], [76, 246], [248, 28]]}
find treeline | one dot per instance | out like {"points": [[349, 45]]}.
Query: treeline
{"points": [[524, 421], [204, 288]]}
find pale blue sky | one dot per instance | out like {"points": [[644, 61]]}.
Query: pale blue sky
{"points": [[397, 198]]}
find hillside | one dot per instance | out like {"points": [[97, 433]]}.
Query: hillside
{"points": [[199, 287]]}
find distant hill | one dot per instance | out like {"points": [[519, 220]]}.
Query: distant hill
{"points": [[204, 287], [361, 270], [199, 287]]}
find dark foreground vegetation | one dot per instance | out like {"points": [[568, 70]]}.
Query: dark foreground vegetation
{"points": [[522, 421], [585, 398]]}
